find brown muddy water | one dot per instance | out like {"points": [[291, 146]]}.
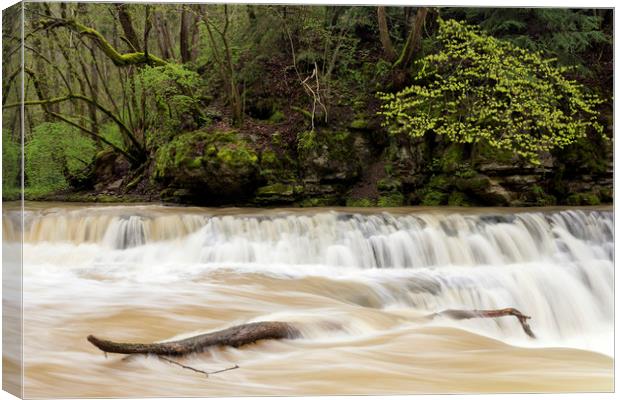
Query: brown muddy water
{"points": [[144, 273]]}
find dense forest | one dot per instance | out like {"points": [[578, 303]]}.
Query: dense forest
{"points": [[308, 105]]}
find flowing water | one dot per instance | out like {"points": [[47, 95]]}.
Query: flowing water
{"points": [[356, 282]]}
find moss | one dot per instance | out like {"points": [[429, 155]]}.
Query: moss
{"points": [[319, 201], [269, 159], [541, 198], [434, 198], [389, 185], [276, 138], [237, 156], [394, 199], [306, 114], [474, 184], [487, 153], [583, 199], [277, 189], [277, 117], [607, 195], [363, 202], [218, 163], [584, 154], [306, 141], [277, 167], [359, 124], [439, 182], [451, 159], [194, 162], [325, 152], [458, 199]]}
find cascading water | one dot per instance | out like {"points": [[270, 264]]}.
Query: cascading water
{"points": [[372, 272]]}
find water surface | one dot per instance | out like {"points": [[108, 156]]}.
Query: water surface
{"points": [[151, 273]]}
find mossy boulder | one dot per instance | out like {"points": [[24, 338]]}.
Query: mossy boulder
{"points": [[212, 167], [331, 156], [277, 166], [485, 190]]}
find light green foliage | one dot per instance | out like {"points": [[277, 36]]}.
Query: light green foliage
{"points": [[478, 88], [363, 202], [583, 199], [541, 198], [172, 93], [306, 140], [11, 177], [394, 199], [457, 199], [111, 133], [54, 153], [277, 117]]}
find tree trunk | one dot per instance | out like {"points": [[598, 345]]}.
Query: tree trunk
{"points": [[384, 35], [130, 34], [184, 40], [413, 40], [195, 34], [161, 42]]}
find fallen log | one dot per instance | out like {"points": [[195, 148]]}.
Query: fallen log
{"points": [[235, 336], [241, 335], [467, 314]]}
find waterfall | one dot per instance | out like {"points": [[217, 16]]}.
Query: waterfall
{"points": [[556, 266]]}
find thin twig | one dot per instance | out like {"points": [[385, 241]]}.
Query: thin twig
{"points": [[225, 369], [197, 370], [183, 366]]}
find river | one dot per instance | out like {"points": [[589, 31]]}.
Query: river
{"points": [[143, 273]]}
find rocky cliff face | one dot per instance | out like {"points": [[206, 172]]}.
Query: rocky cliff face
{"points": [[351, 167]]}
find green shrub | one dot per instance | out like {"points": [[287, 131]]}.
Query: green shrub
{"points": [[11, 167], [54, 153], [479, 88]]}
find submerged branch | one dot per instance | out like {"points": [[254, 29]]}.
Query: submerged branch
{"points": [[468, 314], [241, 335]]}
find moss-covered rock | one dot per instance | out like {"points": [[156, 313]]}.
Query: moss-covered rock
{"points": [[320, 201], [389, 185], [331, 156], [583, 199], [394, 199], [363, 202], [277, 167], [485, 190], [277, 117], [537, 196], [277, 193], [433, 198], [451, 159], [359, 124], [212, 166], [458, 199]]}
